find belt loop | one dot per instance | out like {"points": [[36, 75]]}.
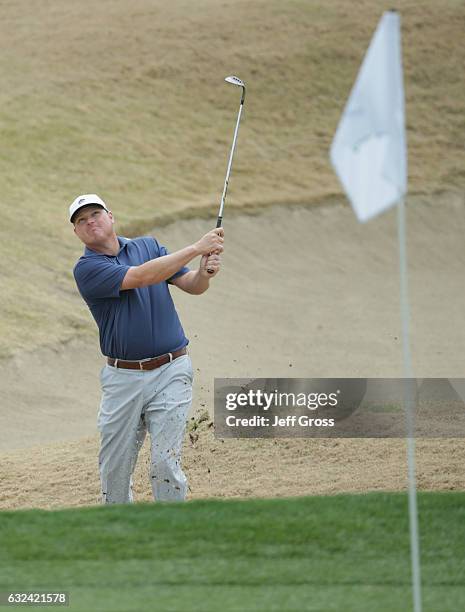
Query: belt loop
{"points": [[141, 366], [171, 357], [116, 363]]}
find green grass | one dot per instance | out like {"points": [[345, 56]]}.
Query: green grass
{"points": [[344, 553], [127, 99]]}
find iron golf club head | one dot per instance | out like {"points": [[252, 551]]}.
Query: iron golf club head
{"points": [[234, 80]]}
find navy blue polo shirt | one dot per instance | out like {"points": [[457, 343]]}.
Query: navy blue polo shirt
{"points": [[136, 323]]}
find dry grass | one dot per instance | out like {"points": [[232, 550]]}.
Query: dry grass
{"points": [[127, 100]]}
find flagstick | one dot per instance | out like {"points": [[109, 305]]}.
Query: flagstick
{"points": [[409, 402]]}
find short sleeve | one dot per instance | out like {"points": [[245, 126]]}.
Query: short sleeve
{"points": [[162, 250], [99, 278]]}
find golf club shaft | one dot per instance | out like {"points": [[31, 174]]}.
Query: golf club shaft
{"points": [[219, 221], [228, 171]]}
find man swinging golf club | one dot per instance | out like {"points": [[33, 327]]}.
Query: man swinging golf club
{"points": [[147, 380]]}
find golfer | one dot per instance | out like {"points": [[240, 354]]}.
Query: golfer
{"points": [[147, 380]]}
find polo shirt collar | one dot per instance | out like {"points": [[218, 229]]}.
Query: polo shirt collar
{"points": [[122, 243]]}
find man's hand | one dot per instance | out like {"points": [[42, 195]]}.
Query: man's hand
{"points": [[211, 242], [209, 265], [198, 282], [209, 246]]}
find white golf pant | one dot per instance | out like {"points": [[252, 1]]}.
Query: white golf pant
{"points": [[134, 402]]}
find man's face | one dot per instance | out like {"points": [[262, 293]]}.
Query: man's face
{"points": [[93, 225]]}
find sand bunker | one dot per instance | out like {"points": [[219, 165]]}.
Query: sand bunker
{"points": [[304, 292]]}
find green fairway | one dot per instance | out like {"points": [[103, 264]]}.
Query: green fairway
{"points": [[347, 552]]}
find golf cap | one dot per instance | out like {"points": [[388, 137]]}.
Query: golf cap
{"points": [[85, 200]]}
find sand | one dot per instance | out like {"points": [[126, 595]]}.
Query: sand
{"points": [[304, 292]]}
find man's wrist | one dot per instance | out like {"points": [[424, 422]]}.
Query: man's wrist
{"points": [[194, 249]]}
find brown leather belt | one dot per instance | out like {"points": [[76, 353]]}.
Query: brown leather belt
{"points": [[146, 364]]}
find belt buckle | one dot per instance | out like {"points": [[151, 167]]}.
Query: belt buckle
{"points": [[142, 361]]}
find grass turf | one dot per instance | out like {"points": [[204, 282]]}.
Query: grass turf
{"points": [[346, 552]]}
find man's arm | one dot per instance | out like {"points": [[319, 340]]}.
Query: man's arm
{"points": [[162, 268], [198, 281]]}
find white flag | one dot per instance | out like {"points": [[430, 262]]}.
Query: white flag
{"points": [[369, 148]]}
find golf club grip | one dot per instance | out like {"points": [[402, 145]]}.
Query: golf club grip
{"points": [[219, 223]]}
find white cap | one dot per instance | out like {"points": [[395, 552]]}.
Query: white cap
{"points": [[85, 200]]}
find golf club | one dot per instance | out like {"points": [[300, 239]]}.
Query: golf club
{"points": [[234, 80]]}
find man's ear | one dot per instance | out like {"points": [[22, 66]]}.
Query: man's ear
{"points": [[110, 214]]}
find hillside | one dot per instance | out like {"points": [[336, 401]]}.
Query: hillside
{"points": [[128, 100]]}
